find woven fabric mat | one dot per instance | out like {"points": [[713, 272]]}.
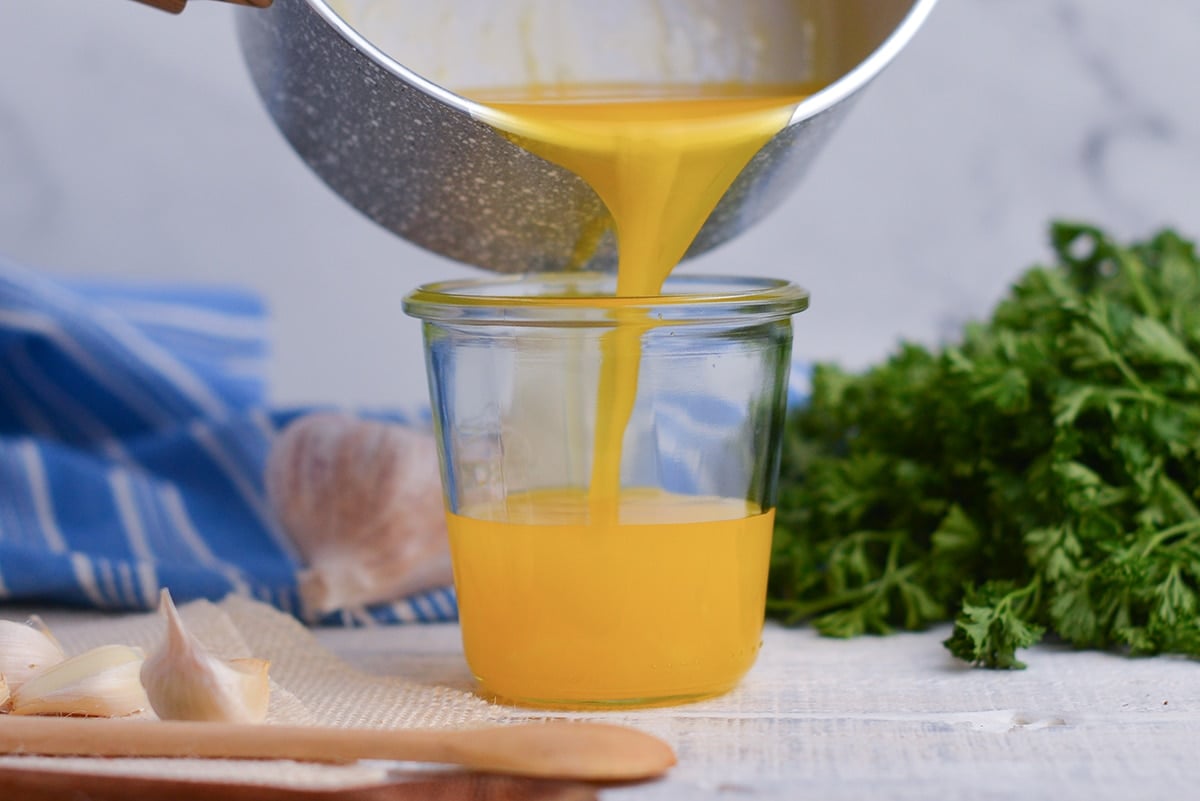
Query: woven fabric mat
{"points": [[309, 686]]}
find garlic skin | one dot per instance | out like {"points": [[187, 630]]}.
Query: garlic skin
{"points": [[362, 501], [25, 649], [184, 681], [102, 682], [5, 696]]}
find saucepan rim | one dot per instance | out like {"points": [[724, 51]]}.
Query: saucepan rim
{"points": [[832, 94]]}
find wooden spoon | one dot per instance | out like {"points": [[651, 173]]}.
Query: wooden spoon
{"points": [[176, 6], [553, 749], [63, 785]]}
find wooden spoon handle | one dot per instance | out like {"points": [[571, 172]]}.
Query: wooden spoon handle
{"points": [[554, 749], [57, 785], [176, 6]]}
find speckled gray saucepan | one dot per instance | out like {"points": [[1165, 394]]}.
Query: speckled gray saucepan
{"points": [[386, 133]]}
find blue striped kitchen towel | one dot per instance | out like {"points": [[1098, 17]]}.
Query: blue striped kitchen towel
{"points": [[134, 428]]}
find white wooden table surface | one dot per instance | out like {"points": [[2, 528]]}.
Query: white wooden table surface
{"points": [[893, 718]]}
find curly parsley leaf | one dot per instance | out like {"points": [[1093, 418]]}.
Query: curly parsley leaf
{"points": [[994, 623], [1042, 474]]}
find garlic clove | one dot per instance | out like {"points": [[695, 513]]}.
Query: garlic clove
{"points": [[256, 670], [184, 681], [36, 622], [362, 502], [102, 682], [25, 649]]}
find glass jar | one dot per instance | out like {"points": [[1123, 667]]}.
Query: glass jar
{"points": [[609, 467]]}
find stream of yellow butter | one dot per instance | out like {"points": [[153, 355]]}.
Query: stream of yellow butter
{"points": [[660, 163]]}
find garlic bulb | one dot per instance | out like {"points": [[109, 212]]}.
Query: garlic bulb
{"points": [[362, 501], [26, 648], [186, 682], [102, 682], [5, 696]]}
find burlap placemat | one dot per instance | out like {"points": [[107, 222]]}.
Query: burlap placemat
{"points": [[309, 686]]}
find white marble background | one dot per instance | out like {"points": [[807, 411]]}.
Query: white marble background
{"points": [[132, 144]]}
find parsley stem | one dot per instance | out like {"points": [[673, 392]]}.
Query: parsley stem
{"points": [[1169, 532], [803, 610]]}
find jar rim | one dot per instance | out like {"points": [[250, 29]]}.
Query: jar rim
{"points": [[583, 297]]}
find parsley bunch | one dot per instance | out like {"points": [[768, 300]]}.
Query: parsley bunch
{"points": [[1040, 476]]}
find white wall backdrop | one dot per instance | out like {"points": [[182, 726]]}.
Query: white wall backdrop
{"points": [[132, 144]]}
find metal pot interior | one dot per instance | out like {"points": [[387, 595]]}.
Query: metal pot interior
{"points": [[486, 47]]}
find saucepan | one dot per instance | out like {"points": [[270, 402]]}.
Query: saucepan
{"points": [[373, 96]]}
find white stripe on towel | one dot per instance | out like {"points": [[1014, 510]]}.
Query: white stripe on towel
{"points": [[214, 324], [176, 510], [49, 327], [131, 521], [85, 578], [245, 487], [39, 489], [68, 407]]}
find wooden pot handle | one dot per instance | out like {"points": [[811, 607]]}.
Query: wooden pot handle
{"points": [[176, 6]]}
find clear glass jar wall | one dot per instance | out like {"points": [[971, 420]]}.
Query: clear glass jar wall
{"points": [[581, 584]]}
